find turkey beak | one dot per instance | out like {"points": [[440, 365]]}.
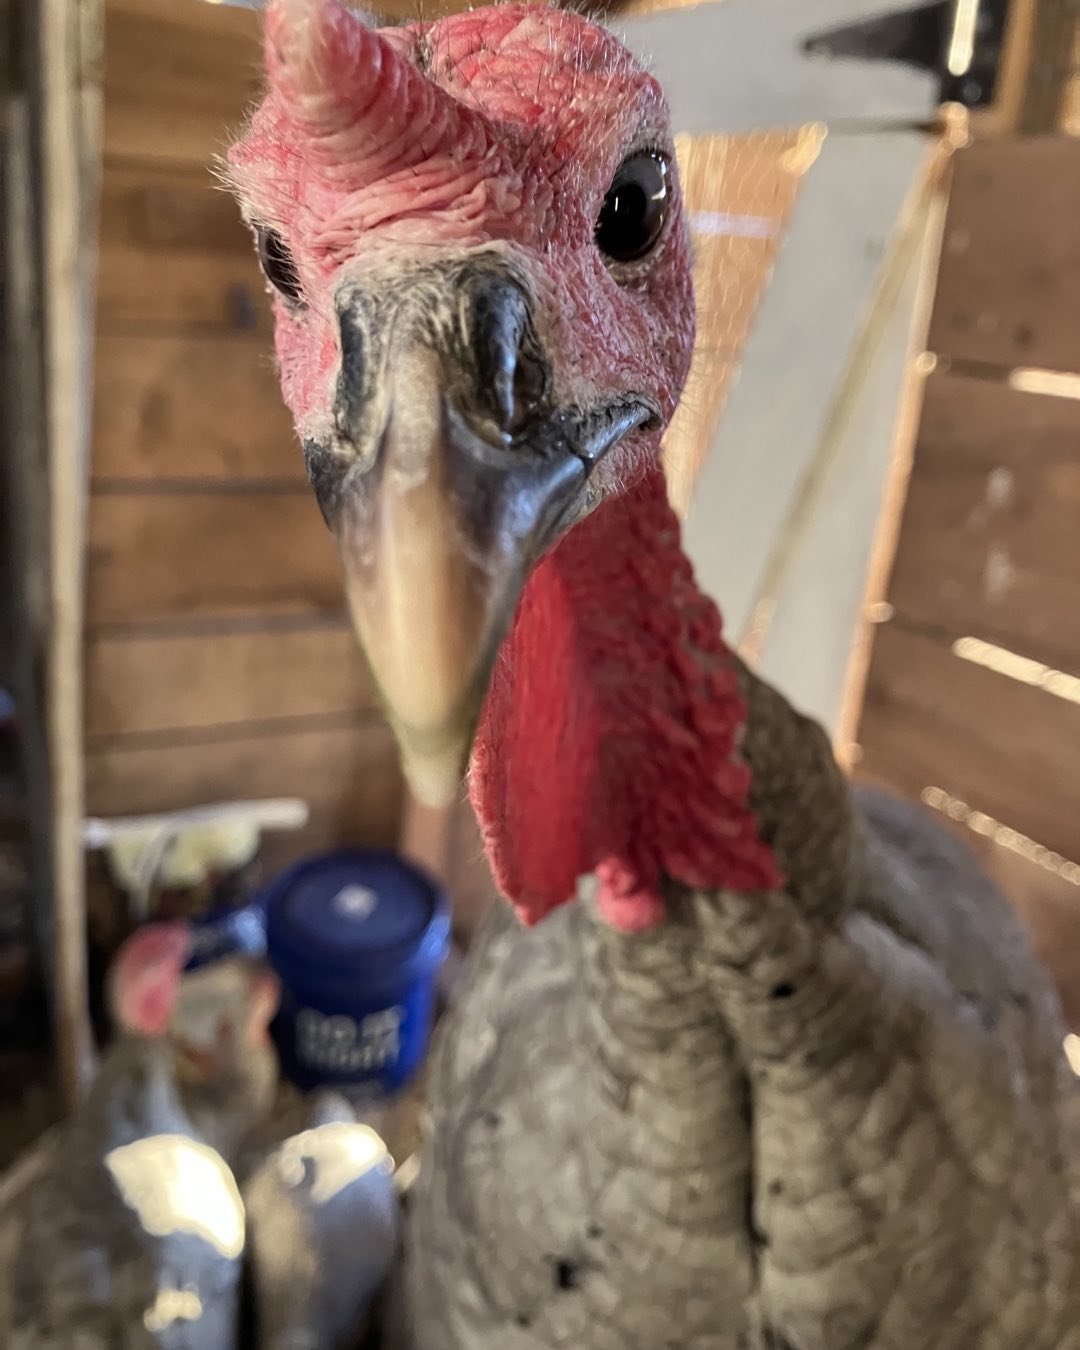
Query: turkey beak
{"points": [[449, 477]]}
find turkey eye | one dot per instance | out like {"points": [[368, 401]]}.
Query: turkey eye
{"points": [[277, 263], [635, 208]]}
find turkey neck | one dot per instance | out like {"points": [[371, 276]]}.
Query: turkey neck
{"points": [[801, 801], [622, 736]]}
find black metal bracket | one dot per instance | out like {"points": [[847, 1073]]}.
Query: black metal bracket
{"points": [[959, 40]]}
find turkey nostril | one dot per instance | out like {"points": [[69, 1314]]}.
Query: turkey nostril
{"points": [[511, 375], [352, 381]]}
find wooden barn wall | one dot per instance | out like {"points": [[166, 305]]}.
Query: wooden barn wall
{"points": [[219, 661], [973, 699]]}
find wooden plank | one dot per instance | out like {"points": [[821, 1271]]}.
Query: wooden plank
{"points": [[68, 66], [1052, 52], [192, 407], [1014, 70], [825, 278], [347, 771], [174, 252], [879, 565], [1009, 290], [814, 612], [1005, 748], [179, 77], [742, 66], [738, 191], [152, 683], [988, 544], [199, 555]]}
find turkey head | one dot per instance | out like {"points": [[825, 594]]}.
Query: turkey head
{"points": [[484, 319]]}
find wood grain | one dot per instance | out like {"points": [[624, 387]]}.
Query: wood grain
{"points": [[1052, 52], [199, 555], [738, 192], [988, 544], [179, 78], [780, 423], [146, 682], [347, 772], [1009, 289], [196, 407], [1004, 748], [175, 253]]}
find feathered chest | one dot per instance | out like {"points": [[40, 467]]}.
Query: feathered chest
{"points": [[588, 1166]]}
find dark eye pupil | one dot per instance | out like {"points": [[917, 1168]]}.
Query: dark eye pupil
{"points": [[635, 208], [277, 263]]}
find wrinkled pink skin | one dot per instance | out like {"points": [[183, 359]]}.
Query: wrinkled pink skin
{"points": [[614, 705], [545, 108], [144, 981]]}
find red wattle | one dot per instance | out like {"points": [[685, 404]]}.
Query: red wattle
{"points": [[609, 740]]}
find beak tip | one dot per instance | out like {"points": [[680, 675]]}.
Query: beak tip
{"points": [[435, 779]]}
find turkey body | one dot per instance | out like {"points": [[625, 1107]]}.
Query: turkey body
{"points": [[831, 1117], [813, 1098], [81, 1266]]}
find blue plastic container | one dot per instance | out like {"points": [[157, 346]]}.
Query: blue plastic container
{"points": [[356, 939]]}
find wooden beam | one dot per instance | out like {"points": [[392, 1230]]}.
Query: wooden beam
{"points": [[70, 39], [1009, 290], [988, 545], [1050, 50], [886, 533], [785, 411], [933, 720], [811, 590], [738, 192]]}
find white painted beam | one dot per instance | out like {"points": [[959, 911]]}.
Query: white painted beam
{"points": [[739, 65], [781, 410], [817, 610]]}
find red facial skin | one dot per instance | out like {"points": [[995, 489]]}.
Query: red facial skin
{"points": [[146, 976], [608, 742]]}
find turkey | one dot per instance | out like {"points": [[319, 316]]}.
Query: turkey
{"points": [[122, 1226], [322, 1214], [748, 1060], [211, 1024]]}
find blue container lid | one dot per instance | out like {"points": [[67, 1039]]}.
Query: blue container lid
{"points": [[356, 913]]}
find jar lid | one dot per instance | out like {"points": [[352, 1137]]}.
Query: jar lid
{"points": [[356, 912]]}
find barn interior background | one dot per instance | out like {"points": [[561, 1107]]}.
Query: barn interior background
{"points": [[176, 636]]}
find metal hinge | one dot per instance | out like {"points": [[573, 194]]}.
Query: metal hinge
{"points": [[958, 40]]}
